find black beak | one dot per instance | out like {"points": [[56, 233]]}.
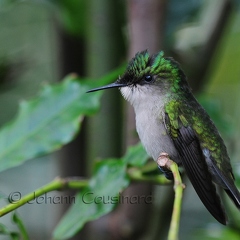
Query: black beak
{"points": [[112, 85]]}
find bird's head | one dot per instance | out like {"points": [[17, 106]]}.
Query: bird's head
{"points": [[146, 73]]}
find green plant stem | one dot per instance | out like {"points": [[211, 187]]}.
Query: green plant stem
{"points": [[135, 174], [57, 184], [138, 175], [165, 162], [178, 187]]}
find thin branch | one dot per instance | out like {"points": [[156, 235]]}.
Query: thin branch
{"points": [[57, 184], [138, 175], [135, 174], [164, 161]]}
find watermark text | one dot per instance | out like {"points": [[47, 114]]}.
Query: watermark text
{"points": [[46, 198]]}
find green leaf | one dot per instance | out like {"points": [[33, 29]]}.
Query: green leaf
{"points": [[102, 194], [49, 121], [99, 198], [5, 231], [44, 123], [21, 227], [136, 156], [73, 15]]}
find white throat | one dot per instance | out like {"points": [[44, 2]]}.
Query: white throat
{"points": [[148, 104]]}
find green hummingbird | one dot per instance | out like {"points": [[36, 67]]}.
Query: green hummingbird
{"points": [[169, 119]]}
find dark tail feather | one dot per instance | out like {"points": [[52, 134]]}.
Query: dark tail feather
{"points": [[230, 189], [235, 199]]}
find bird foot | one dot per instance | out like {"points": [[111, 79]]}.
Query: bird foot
{"points": [[164, 161]]}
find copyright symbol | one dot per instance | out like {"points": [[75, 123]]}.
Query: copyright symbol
{"points": [[14, 197]]}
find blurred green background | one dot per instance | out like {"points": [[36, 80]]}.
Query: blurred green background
{"points": [[42, 41]]}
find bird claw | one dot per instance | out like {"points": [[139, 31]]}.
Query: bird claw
{"points": [[164, 161]]}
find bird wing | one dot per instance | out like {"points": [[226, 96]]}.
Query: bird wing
{"points": [[230, 188], [186, 142]]}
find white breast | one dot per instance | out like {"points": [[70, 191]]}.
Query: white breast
{"points": [[149, 110]]}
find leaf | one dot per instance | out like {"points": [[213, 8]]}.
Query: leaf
{"points": [[102, 194], [136, 156], [99, 198], [5, 231], [72, 14], [47, 122], [21, 227]]}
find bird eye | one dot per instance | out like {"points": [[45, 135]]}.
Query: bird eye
{"points": [[148, 78]]}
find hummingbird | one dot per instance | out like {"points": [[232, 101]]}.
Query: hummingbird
{"points": [[169, 119]]}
